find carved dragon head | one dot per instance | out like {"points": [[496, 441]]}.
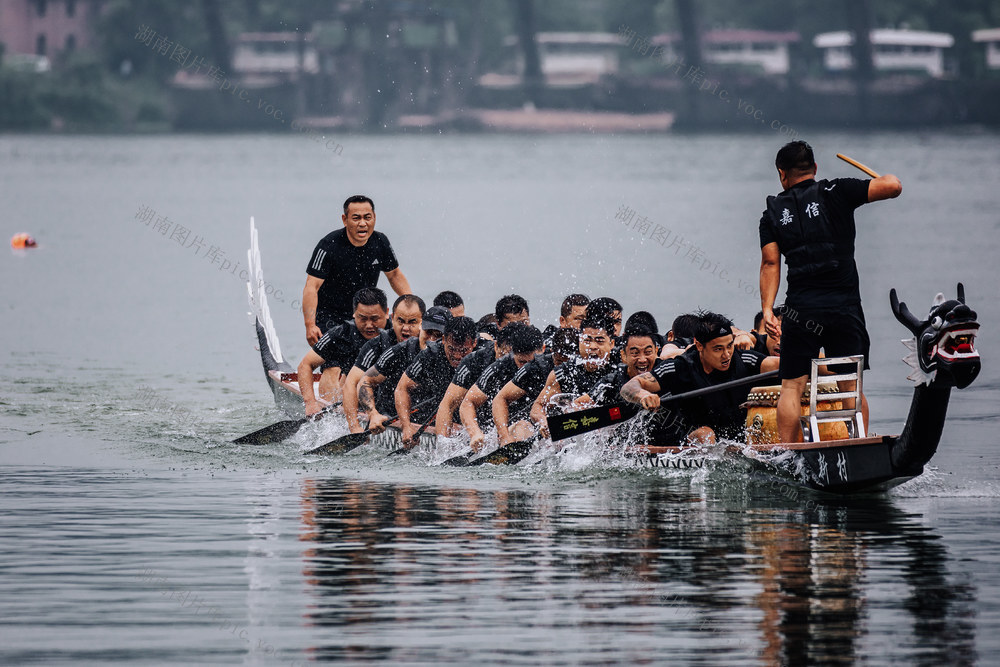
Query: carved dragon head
{"points": [[943, 347]]}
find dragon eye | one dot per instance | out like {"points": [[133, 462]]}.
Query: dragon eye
{"points": [[937, 322]]}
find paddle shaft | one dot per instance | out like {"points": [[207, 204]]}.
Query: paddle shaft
{"points": [[871, 172], [591, 419]]}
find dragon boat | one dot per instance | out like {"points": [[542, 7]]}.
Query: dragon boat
{"points": [[942, 354]]}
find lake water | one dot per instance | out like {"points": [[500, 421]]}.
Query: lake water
{"points": [[133, 533]]}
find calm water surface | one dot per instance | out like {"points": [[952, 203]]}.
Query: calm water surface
{"points": [[132, 533]]}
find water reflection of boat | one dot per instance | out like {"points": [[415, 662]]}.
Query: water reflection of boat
{"points": [[724, 574]]}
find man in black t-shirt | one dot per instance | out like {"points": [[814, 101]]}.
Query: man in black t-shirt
{"points": [[578, 378], [712, 361], [509, 415], [407, 316], [638, 355], [343, 262], [476, 410], [429, 374], [468, 373], [376, 390], [811, 223], [336, 349]]}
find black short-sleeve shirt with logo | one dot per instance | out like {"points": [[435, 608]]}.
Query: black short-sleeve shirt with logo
{"points": [[576, 379], [432, 373], [340, 346], [532, 376], [491, 381], [721, 409], [391, 365], [473, 365], [819, 214], [345, 269], [373, 349]]}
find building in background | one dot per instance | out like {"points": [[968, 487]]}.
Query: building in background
{"points": [[760, 50], [33, 32], [892, 50], [991, 38]]}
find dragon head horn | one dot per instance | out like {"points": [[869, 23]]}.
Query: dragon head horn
{"points": [[961, 293], [903, 314]]}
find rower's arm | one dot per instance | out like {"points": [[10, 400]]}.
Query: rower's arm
{"points": [[884, 187], [643, 390], [400, 285], [551, 388], [501, 409], [474, 399], [305, 379], [452, 399], [366, 391], [351, 398], [770, 279], [402, 396], [310, 302], [769, 364]]}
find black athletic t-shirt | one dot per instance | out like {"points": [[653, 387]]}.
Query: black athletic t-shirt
{"points": [[575, 379], [473, 365], [340, 345], [391, 365], [719, 410], [836, 201], [345, 269], [432, 374], [532, 376], [491, 381], [373, 349], [608, 388]]}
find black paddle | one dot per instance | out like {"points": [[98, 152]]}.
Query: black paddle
{"points": [[346, 443], [591, 419], [279, 431], [509, 454]]}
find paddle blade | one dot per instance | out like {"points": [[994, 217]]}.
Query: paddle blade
{"points": [[460, 460], [591, 419], [270, 434], [343, 444], [507, 455]]}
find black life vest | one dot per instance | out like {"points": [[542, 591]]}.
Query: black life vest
{"points": [[805, 234]]}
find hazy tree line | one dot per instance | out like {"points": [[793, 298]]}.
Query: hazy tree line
{"points": [[126, 79]]}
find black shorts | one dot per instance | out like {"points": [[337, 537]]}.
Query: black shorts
{"points": [[840, 333]]}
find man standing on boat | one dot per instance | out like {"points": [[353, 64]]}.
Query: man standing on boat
{"points": [[343, 262], [811, 223]]}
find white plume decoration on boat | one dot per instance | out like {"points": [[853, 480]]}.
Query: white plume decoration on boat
{"points": [[918, 375], [258, 297]]}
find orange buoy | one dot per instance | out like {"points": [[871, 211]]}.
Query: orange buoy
{"points": [[22, 240]]}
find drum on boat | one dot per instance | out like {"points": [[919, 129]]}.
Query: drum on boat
{"points": [[762, 414]]}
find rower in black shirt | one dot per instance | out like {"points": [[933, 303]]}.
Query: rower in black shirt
{"points": [[376, 390], [579, 378], [429, 374], [476, 409], [335, 349], [637, 358], [407, 315], [527, 384], [712, 361], [343, 262], [468, 373]]}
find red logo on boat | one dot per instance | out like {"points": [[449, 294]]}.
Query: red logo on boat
{"points": [[615, 413]]}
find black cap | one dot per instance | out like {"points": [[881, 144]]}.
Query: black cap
{"points": [[435, 318]]}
